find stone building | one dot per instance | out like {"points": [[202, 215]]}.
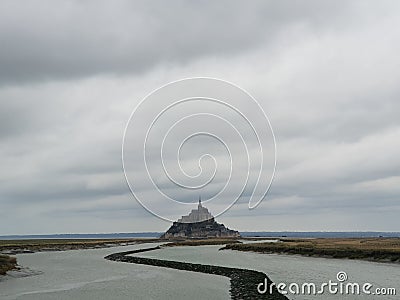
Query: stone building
{"points": [[197, 215], [199, 223]]}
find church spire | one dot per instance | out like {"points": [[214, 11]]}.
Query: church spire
{"points": [[200, 201]]}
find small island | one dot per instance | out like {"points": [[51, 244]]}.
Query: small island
{"points": [[200, 223]]}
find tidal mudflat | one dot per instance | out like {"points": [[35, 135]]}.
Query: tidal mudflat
{"points": [[244, 282], [85, 274], [289, 268]]}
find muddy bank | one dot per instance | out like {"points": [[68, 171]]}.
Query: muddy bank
{"points": [[7, 263]]}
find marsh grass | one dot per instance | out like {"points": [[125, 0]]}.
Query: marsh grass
{"points": [[65, 244], [377, 249]]}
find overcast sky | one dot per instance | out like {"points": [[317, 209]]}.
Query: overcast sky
{"points": [[327, 73]]}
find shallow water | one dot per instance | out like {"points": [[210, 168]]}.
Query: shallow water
{"points": [[293, 269], [85, 274]]}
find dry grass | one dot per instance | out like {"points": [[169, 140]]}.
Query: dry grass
{"points": [[64, 244], [379, 249], [348, 243]]}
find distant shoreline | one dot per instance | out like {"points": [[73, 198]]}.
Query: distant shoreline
{"points": [[140, 235]]}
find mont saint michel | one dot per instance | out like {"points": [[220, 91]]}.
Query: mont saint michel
{"points": [[199, 223]]}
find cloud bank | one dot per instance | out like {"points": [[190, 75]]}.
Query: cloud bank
{"points": [[327, 74]]}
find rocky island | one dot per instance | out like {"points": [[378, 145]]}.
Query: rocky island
{"points": [[200, 223]]}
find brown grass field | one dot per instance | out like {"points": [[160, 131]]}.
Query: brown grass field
{"points": [[376, 249]]}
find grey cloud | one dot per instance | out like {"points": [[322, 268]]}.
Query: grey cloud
{"points": [[74, 39], [326, 74]]}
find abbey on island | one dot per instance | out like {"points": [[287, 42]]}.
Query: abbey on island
{"points": [[199, 223]]}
